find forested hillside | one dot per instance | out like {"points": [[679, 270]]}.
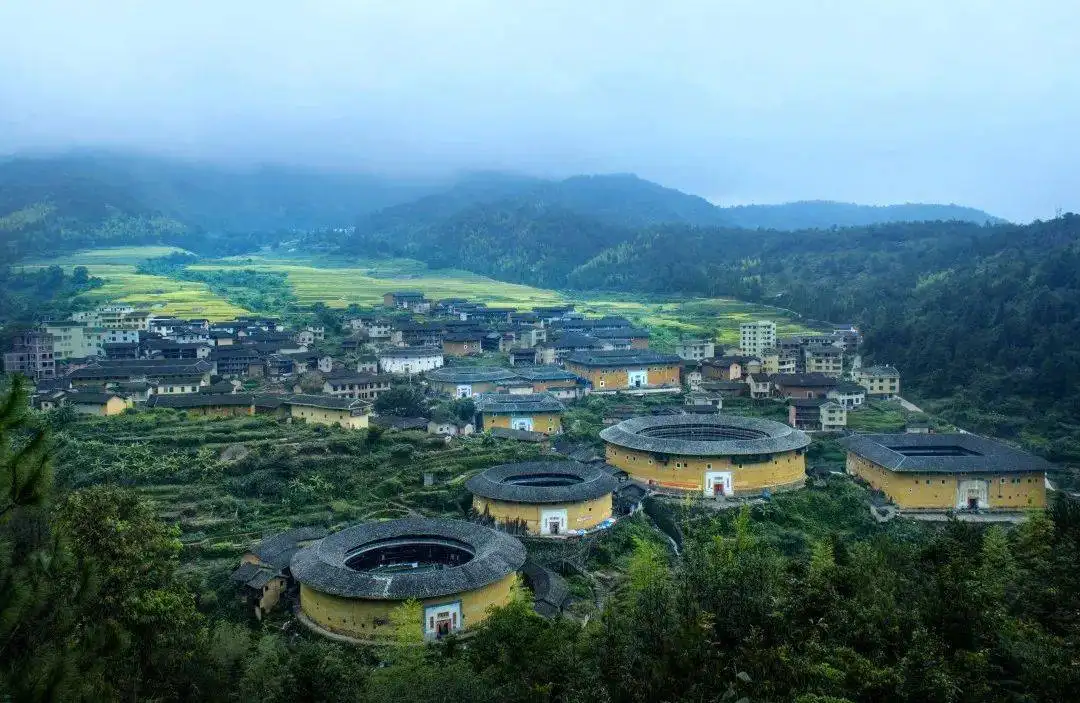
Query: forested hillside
{"points": [[59, 203]]}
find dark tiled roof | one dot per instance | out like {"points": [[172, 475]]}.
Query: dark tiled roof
{"points": [[849, 388], [620, 333], [544, 373], [328, 402], [509, 482], [470, 374], [322, 565], [884, 370], [200, 400], [405, 352], [807, 402], [722, 435], [550, 591], [519, 435], [83, 398], [400, 423], [809, 380], [631, 357], [278, 550], [462, 337], [976, 454], [518, 403], [576, 340]]}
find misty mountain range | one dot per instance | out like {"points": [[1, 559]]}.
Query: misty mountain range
{"points": [[54, 198]]}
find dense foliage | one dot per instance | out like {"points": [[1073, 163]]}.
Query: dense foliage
{"points": [[29, 296], [258, 291]]}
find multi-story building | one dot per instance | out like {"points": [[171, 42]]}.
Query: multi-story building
{"points": [[695, 349], [123, 317], [828, 360], [879, 381], [32, 355], [779, 361], [816, 414], [364, 386], [755, 337]]}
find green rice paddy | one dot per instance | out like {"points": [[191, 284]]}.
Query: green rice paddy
{"points": [[363, 282]]}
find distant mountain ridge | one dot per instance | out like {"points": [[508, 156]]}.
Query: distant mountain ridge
{"points": [[87, 199]]}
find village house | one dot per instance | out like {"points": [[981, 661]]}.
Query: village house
{"points": [[942, 472], [636, 371], [779, 361], [724, 368], [802, 385], [104, 371], [755, 337], [695, 349], [523, 357], [551, 379], [827, 360], [691, 375], [407, 333], [410, 300], [364, 386], [728, 389], [759, 385], [703, 400], [32, 356], [376, 328], [879, 381], [177, 385], [207, 404], [816, 414], [535, 412], [851, 396], [90, 403], [348, 413], [236, 360], [461, 343], [121, 317], [263, 574], [410, 360], [468, 381]]}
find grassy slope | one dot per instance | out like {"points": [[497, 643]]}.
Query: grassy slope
{"points": [[362, 282]]}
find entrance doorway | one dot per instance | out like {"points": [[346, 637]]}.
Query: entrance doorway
{"points": [[973, 494], [718, 484], [553, 522], [637, 379], [441, 620], [521, 423]]}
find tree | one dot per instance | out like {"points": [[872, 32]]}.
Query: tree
{"points": [[402, 401], [25, 473]]}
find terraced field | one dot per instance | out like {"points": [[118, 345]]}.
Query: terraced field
{"points": [[361, 282], [123, 285]]}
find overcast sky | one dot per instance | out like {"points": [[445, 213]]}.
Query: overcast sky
{"points": [[967, 101]]}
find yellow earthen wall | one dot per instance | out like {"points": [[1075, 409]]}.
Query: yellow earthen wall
{"points": [[687, 473], [361, 618], [618, 378], [548, 423], [325, 416], [579, 516], [913, 491]]}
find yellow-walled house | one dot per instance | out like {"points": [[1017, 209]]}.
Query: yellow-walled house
{"points": [[716, 456], [103, 404], [263, 573], [352, 581], [532, 412], [941, 472], [546, 498], [349, 413], [634, 371]]}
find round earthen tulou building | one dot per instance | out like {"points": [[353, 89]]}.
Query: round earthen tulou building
{"points": [[718, 455], [351, 581], [544, 497]]}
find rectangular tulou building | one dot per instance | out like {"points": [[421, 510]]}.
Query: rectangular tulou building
{"points": [[940, 472], [635, 371]]}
